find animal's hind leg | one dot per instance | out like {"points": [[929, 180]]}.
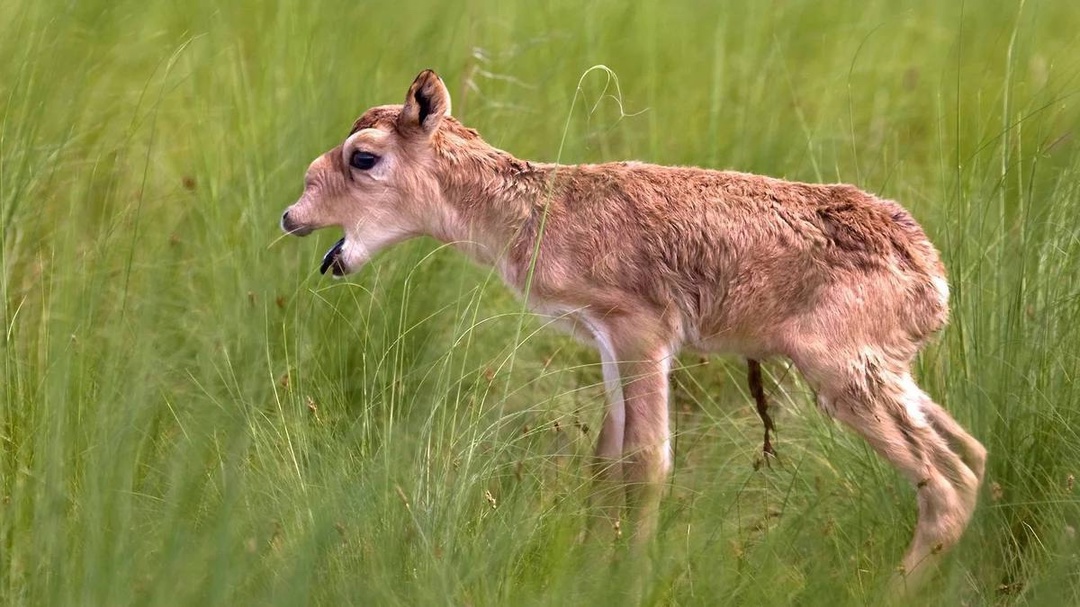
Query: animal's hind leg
{"points": [[878, 399], [969, 449]]}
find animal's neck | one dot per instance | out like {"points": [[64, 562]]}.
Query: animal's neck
{"points": [[495, 201]]}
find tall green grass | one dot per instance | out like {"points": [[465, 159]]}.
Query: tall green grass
{"points": [[190, 414]]}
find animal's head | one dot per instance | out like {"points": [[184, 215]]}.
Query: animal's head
{"points": [[380, 185]]}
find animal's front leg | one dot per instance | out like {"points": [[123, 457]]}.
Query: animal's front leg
{"points": [[646, 438], [608, 494]]}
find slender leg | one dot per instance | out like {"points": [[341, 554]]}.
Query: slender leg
{"points": [[607, 465], [969, 449], [879, 400], [646, 443]]}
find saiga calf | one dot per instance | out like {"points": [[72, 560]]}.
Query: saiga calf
{"points": [[643, 260]]}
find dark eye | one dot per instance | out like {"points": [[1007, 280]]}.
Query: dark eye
{"points": [[362, 160]]}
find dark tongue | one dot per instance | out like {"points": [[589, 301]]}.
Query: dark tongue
{"points": [[331, 258]]}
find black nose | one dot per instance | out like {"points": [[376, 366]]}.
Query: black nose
{"points": [[292, 227], [286, 224]]}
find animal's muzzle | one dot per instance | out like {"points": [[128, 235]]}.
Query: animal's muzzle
{"points": [[291, 227]]}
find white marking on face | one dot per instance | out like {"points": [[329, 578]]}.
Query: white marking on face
{"points": [[365, 138], [354, 254], [373, 141]]}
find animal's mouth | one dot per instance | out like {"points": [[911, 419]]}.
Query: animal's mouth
{"points": [[332, 260]]}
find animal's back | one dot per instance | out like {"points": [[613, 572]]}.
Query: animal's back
{"points": [[737, 253]]}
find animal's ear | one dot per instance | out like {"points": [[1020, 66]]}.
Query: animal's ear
{"points": [[425, 105]]}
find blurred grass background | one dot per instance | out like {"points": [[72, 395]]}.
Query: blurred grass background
{"points": [[190, 414]]}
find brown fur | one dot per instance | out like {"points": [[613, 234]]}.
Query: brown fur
{"points": [[642, 260]]}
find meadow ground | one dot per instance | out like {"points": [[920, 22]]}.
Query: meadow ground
{"points": [[190, 414]]}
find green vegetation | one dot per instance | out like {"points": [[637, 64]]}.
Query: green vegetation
{"points": [[191, 415]]}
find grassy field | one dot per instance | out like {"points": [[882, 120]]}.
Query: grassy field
{"points": [[191, 415]]}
